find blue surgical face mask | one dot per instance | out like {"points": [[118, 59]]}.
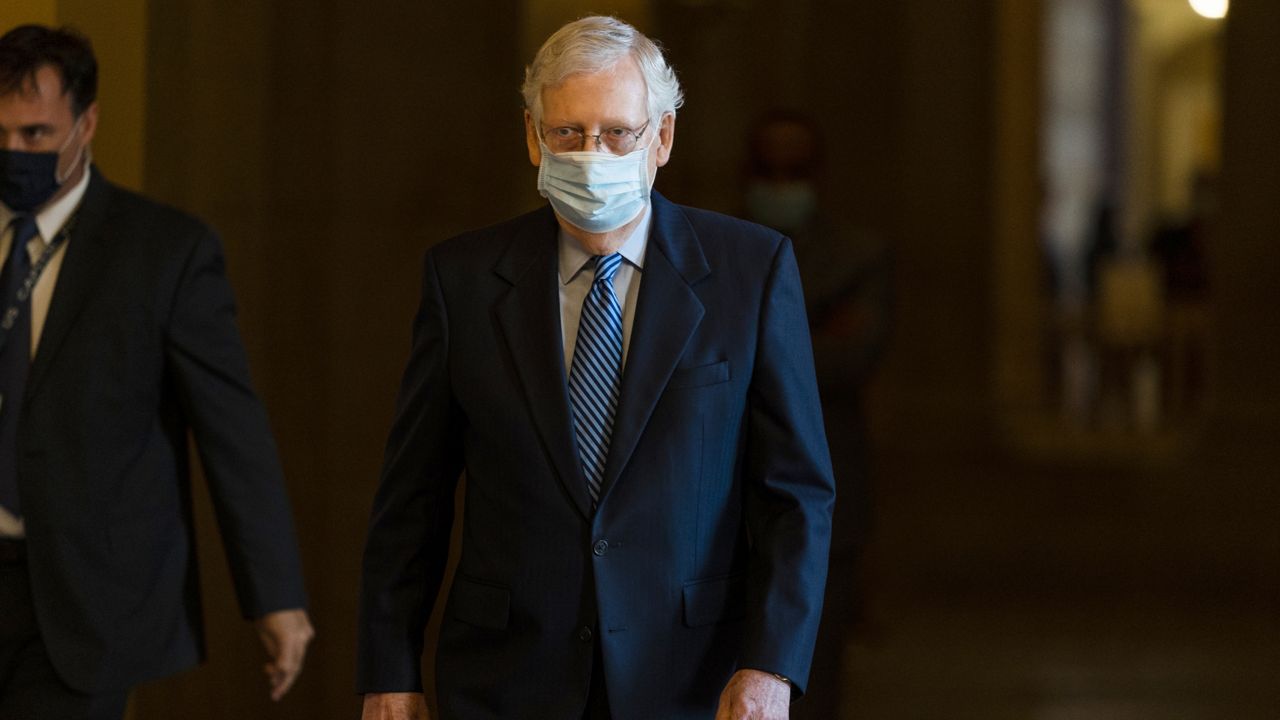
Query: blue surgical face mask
{"points": [[29, 179], [787, 206], [596, 191]]}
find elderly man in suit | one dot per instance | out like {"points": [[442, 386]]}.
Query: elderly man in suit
{"points": [[117, 341], [629, 387]]}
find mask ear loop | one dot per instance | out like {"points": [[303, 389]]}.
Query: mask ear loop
{"points": [[84, 154]]}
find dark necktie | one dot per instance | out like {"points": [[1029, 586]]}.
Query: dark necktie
{"points": [[596, 372], [15, 356]]}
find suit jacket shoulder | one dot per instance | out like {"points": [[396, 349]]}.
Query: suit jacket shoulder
{"points": [[713, 227], [127, 214], [729, 246]]}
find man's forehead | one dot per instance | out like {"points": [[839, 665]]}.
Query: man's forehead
{"points": [[30, 85], [615, 94], [38, 99], [36, 83]]}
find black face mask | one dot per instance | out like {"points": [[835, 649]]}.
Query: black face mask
{"points": [[27, 179]]}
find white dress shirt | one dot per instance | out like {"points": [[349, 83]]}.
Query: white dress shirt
{"points": [[575, 284], [49, 222]]}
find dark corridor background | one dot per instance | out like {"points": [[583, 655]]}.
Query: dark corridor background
{"points": [[331, 142]]}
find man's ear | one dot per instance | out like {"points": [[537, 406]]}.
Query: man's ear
{"points": [[531, 139], [666, 138], [89, 122]]}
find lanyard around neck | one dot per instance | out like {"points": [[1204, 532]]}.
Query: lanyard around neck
{"points": [[14, 307]]}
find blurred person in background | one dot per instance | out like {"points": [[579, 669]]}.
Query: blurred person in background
{"points": [[628, 385], [1182, 247], [118, 340], [846, 278]]}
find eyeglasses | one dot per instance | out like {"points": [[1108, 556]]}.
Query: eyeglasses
{"points": [[618, 140]]}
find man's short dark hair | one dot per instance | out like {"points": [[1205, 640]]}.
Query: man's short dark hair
{"points": [[27, 48]]}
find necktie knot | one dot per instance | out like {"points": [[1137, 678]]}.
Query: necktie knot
{"points": [[24, 228], [607, 266]]}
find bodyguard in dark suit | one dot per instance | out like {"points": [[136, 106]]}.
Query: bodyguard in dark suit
{"points": [[628, 385], [119, 340]]}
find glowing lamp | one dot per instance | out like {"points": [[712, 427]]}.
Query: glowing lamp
{"points": [[1212, 9]]}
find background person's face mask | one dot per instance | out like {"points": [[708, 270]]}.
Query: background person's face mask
{"points": [[785, 206], [29, 179], [596, 191]]}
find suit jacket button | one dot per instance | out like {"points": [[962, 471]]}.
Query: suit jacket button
{"points": [[584, 634], [601, 548]]}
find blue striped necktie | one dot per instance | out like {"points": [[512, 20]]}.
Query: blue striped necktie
{"points": [[15, 358], [596, 374]]}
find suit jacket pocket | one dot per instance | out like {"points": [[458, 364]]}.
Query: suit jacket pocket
{"points": [[481, 604], [715, 600], [717, 372], [148, 560]]}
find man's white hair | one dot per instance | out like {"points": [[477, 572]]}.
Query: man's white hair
{"points": [[597, 43]]}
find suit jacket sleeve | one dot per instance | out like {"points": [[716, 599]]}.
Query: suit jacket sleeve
{"points": [[790, 488], [408, 541], [208, 367]]}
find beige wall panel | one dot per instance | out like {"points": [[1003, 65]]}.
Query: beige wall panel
{"points": [[22, 12], [118, 30]]}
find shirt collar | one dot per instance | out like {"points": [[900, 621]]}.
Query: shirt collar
{"points": [[53, 216], [573, 258]]}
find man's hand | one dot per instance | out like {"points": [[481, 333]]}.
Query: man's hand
{"points": [[754, 695], [285, 635], [395, 706]]}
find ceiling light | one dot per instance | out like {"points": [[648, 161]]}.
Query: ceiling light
{"points": [[1213, 9]]}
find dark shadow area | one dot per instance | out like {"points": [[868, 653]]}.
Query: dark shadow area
{"points": [[332, 142]]}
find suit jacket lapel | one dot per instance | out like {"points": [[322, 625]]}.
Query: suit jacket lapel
{"points": [[85, 257], [529, 315], [667, 313]]}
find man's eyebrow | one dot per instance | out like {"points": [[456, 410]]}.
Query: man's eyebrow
{"points": [[606, 124], [21, 128]]}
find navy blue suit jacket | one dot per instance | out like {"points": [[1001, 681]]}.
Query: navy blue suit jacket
{"points": [[140, 350], [707, 552]]}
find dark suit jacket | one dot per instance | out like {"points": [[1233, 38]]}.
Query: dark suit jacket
{"points": [[139, 347], [708, 550]]}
